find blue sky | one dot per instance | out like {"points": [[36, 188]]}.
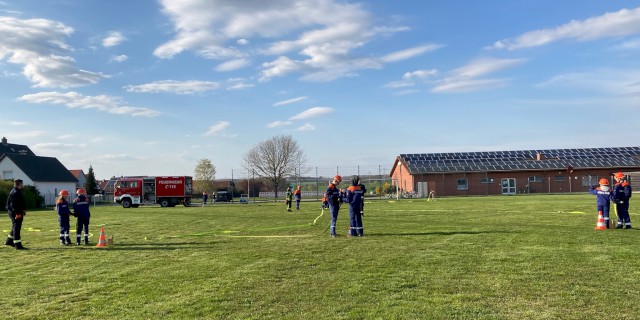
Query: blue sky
{"points": [[150, 87]]}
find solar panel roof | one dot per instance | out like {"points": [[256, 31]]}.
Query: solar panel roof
{"points": [[591, 158]]}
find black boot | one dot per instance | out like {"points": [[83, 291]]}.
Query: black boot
{"points": [[19, 246], [9, 242]]}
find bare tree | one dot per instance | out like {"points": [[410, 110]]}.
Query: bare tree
{"points": [[204, 175], [275, 160]]}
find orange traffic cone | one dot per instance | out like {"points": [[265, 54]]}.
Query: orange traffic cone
{"points": [[600, 225], [102, 242]]}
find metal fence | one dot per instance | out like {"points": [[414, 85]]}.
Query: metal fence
{"points": [[315, 180]]}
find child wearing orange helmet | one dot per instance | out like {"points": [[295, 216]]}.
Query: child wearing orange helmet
{"points": [[62, 207], [621, 196], [298, 195], [81, 210], [603, 199], [334, 198]]}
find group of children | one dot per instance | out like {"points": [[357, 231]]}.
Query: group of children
{"points": [[333, 198], [80, 210], [619, 194]]}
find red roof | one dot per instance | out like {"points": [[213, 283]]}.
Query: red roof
{"points": [[76, 173]]}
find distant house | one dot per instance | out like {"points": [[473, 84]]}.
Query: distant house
{"points": [[10, 148], [45, 173], [82, 178], [511, 172]]}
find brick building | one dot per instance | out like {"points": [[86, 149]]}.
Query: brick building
{"points": [[511, 172]]}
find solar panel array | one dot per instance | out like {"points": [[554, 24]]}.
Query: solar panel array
{"points": [[561, 159]]}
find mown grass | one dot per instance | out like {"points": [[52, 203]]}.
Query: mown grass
{"points": [[521, 257]]}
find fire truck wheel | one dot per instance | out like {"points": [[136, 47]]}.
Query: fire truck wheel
{"points": [[164, 203], [126, 203]]}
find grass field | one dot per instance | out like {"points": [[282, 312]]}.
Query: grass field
{"points": [[520, 257]]}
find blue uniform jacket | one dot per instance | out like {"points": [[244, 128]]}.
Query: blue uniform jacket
{"points": [[354, 196], [603, 197], [622, 192], [333, 194], [63, 209], [81, 207]]}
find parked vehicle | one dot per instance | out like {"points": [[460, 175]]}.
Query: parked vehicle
{"points": [[223, 196], [166, 191]]}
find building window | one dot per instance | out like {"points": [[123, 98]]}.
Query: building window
{"points": [[462, 184], [588, 181], [7, 175], [535, 179], [487, 180], [559, 178]]}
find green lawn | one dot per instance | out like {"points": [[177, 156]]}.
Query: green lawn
{"points": [[520, 257]]}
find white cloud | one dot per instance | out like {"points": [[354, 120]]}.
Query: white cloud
{"points": [[276, 124], [465, 78], [324, 32], [289, 101], [612, 82], [240, 86], [409, 53], [119, 58], [27, 134], [469, 85], [306, 127], [55, 146], [74, 100], [113, 39], [65, 136], [38, 45], [409, 78], [232, 65], [613, 24], [184, 87], [312, 113], [217, 128], [18, 123]]}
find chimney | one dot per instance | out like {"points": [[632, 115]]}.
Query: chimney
{"points": [[4, 141], [540, 156]]}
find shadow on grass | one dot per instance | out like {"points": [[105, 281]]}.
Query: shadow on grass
{"points": [[435, 233]]}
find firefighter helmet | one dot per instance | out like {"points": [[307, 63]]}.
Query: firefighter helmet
{"points": [[63, 193], [81, 191], [337, 178], [619, 175], [604, 182]]}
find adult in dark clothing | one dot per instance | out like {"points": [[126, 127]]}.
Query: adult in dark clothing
{"points": [[17, 209]]}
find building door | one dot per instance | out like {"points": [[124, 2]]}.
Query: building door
{"points": [[509, 186]]}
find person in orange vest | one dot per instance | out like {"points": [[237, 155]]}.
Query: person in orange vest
{"points": [[298, 195], [62, 207], [334, 198], [603, 199], [354, 198], [81, 211], [621, 196]]}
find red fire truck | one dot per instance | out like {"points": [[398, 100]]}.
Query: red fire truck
{"points": [[166, 191]]}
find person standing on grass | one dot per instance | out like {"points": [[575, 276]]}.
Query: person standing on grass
{"points": [[62, 207], [354, 198], [289, 198], [204, 198], [603, 199], [334, 198], [298, 195], [17, 209], [81, 210], [621, 196]]}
